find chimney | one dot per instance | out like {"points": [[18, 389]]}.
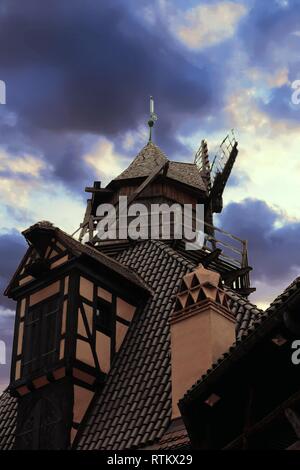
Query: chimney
{"points": [[202, 329]]}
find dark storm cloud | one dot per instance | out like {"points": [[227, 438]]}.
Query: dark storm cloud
{"points": [[266, 32], [89, 67], [270, 37], [60, 151], [274, 251], [12, 249]]}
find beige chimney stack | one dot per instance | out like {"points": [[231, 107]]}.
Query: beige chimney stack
{"points": [[202, 329]]}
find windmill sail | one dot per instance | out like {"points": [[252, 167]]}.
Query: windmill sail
{"points": [[202, 162], [216, 174], [223, 156], [220, 170]]}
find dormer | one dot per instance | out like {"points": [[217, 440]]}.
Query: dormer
{"points": [[74, 308]]}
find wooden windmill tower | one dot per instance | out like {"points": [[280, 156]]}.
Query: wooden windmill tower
{"points": [[152, 178]]}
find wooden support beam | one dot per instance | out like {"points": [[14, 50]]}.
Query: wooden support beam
{"points": [[85, 222], [166, 167], [268, 420], [245, 291], [208, 259], [148, 180], [294, 420], [91, 228], [233, 275], [89, 189]]}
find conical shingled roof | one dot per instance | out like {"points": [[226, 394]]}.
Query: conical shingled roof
{"points": [[144, 163], [151, 157]]}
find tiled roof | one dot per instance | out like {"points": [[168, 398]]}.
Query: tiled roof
{"points": [[186, 173], [282, 298], [8, 408], [144, 163], [246, 330], [245, 312], [176, 437], [134, 408], [151, 156]]}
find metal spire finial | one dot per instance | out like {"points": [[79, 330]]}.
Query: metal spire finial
{"points": [[153, 118]]}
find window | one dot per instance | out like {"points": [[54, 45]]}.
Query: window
{"points": [[103, 319], [41, 336]]}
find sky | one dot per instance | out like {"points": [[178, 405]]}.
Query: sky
{"points": [[78, 78]]}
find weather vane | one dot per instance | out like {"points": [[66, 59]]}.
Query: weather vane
{"points": [[153, 118]]}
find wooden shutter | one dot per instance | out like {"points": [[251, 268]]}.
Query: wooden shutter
{"points": [[41, 336]]}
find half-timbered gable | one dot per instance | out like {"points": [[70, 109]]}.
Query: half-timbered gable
{"points": [[72, 317]]}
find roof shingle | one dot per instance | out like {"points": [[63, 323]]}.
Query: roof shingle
{"points": [[151, 156], [8, 413]]}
